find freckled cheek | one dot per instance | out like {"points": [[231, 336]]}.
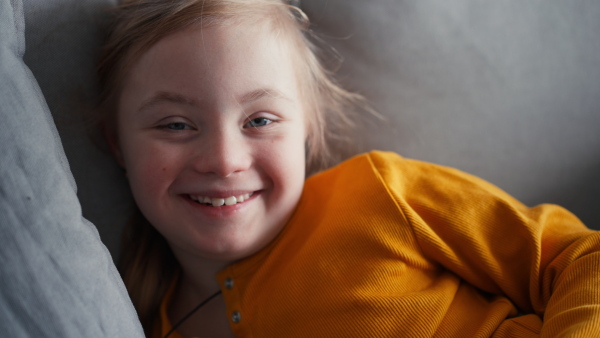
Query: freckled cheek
{"points": [[289, 163], [150, 173]]}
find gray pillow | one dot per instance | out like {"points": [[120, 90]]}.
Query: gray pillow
{"points": [[56, 278]]}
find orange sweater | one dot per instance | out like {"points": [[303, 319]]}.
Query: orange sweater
{"points": [[383, 246]]}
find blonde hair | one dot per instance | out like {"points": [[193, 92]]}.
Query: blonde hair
{"points": [[139, 24]]}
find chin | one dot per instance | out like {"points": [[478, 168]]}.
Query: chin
{"points": [[232, 251]]}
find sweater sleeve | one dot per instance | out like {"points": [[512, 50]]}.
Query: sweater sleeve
{"points": [[542, 258]]}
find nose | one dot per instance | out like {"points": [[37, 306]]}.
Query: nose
{"points": [[223, 153]]}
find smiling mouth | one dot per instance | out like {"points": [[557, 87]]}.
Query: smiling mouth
{"points": [[218, 202]]}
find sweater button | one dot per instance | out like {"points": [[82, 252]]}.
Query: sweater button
{"points": [[236, 317], [229, 283]]}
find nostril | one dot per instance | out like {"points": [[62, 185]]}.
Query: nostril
{"points": [[222, 153]]}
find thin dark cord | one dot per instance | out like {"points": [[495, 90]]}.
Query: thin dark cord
{"points": [[192, 312]]}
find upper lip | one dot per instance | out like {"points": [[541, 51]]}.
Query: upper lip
{"points": [[221, 193]]}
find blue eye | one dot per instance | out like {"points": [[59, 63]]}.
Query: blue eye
{"points": [[176, 126], [259, 122]]}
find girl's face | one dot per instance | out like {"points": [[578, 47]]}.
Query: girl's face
{"points": [[211, 132]]}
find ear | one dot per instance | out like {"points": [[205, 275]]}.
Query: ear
{"points": [[112, 139]]}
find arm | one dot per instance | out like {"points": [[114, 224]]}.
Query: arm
{"points": [[543, 259]]}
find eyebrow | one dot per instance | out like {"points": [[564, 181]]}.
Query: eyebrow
{"points": [[260, 93], [252, 96], [163, 96]]}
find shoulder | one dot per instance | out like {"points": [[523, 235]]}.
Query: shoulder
{"points": [[416, 182], [389, 163], [394, 168]]}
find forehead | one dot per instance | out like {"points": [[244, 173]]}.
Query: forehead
{"points": [[218, 60], [229, 37]]}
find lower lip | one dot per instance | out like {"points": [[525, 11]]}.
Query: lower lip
{"points": [[222, 211]]}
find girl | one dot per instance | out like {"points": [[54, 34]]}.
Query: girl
{"points": [[215, 108]]}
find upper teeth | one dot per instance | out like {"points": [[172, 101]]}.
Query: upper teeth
{"points": [[217, 202]]}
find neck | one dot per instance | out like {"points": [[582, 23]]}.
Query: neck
{"points": [[198, 275], [193, 304]]}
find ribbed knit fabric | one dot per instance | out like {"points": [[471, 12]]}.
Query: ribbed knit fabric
{"points": [[382, 246]]}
